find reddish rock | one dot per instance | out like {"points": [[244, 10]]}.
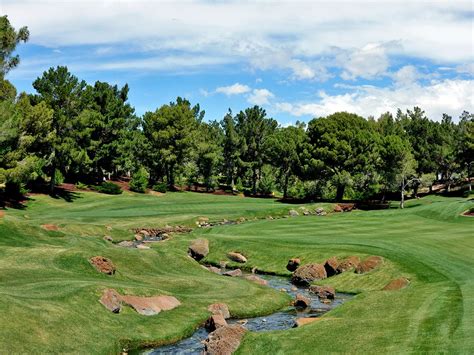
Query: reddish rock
{"points": [[237, 257], [50, 227], [308, 273], [348, 263], [149, 306], [219, 308], [138, 237], [301, 301], [293, 264], [396, 284], [323, 292], [369, 264], [215, 321], [256, 279], [199, 249], [347, 207], [331, 266], [233, 273], [111, 300], [103, 265], [337, 208], [224, 340], [303, 321]]}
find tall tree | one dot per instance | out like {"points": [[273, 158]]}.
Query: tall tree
{"points": [[9, 39], [465, 151], [209, 152], [231, 148]]}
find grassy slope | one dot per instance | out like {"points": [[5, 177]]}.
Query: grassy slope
{"points": [[49, 291]]}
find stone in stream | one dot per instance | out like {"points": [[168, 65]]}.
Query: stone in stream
{"points": [[396, 284], [215, 321], [126, 244], [368, 264], [308, 273], [103, 265], [233, 273], [323, 292], [301, 301], [149, 306], [303, 321], [219, 308], [293, 264], [224, 340], [331, 266], [256, 279], [348, 263], [237, 257], [199, 249], [111, 300]]}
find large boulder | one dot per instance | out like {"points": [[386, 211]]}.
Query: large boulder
{"points": [[215, 321], [331, 266], [219, 308], [323, 292], [301, 301], [149, 306], [369, 264], [396, 284], [293, 264], [349, 263], [224, 340], [256, 279], [293, 213], [308, 273], [237, 257], [103, 265], [199, 249], [233, 273], [111, 300]]}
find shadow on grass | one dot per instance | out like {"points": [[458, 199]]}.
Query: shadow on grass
{"points": [[66, 195]]}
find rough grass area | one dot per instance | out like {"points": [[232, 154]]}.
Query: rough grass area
{"points": [[50, 292]]}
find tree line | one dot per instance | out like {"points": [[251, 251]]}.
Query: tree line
{"points": [[72, 131]]}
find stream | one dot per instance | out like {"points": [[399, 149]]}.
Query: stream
{"points": [[280, 320]]}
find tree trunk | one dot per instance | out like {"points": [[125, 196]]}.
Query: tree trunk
{"points": [[53, 179], [285, 187], [402, 199], [254, 181], [340, 192]]}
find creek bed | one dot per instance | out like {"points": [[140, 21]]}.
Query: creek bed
{"points": [[279, 320]]}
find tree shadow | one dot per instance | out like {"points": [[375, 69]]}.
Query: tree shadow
{"points": [[66, 195]]}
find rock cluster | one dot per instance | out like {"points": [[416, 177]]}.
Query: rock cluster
{"points": [[103, 265]]}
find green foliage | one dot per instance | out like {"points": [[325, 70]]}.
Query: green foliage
{"points": [[108, 188], [162, 187], [9, 39], [139, 181], [81, 186]]}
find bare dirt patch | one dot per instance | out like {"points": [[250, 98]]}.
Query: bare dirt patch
{"points": [[50, 227]]}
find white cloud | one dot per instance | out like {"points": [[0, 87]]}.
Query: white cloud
{"points": [[235, 89], [406, 75], [436, 98], [260, 97], [368, 62]]}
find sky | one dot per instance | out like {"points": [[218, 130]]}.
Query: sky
{"points": [[297, 59]]}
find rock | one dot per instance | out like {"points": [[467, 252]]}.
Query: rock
{"points": [[138, 237], [149, 306], [219, 308], [301, 301], [233, 273], [306, 213], [215, 321], [294, 288], [293, 213], [256, 279], [241, 219], [270, 218], [319, 211], [323, 292], [303, 321], [331, 266], [143, 246], [396, 284], [103, 265], [224, 340], [214, 269], [108, 238], [254, 270], [308, 273], [348, 263], [199, 249], [347, 207], [111, 300], [126, 244], [293, 264], [337, 208], [237, 257], [145, 232], [50, 227], [368, 264]]}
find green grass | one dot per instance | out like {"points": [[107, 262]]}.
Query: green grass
{"points": [[50, 292]]}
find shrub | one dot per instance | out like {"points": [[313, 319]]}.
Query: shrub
{"points": [[80, 186], [161, 187], [109, 188], [139, 181]]}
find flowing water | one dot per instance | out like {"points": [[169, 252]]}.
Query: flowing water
{"points": [[280, 320]]}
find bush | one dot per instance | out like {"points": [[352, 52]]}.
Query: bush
{"points": [[162, 187], [139, 181], [80, 186], [109, 188]]}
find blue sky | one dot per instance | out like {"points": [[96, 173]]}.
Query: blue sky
{"points": [[298, 59]]}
